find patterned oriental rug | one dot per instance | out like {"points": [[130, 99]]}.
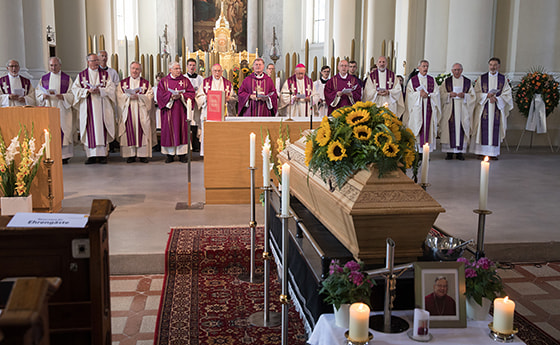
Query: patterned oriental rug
{"points": [[203, 301]]}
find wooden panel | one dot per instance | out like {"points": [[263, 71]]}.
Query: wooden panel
{"points": [[11, 119], [226, 155]]}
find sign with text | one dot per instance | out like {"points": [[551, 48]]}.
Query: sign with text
{"points": [[48, 220]]}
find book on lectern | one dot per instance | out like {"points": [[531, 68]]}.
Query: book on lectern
{"points": [[216, 105]]}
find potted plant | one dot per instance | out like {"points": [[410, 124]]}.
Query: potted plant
{"points": [[483, 285], [344, 286], [16, 177]]}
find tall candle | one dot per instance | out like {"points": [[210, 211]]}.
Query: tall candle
{"points": [[503, 315], [266, 165], [425, 163], [252, 150], [48, 144], [358, 327], [286, 189], [484, 170]]}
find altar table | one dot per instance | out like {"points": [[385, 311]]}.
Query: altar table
{"points": [[327, 333]]}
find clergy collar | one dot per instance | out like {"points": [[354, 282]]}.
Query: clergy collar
{"points": [[380, 71], [131, 77], [94, 70], [493, 75], [194, 75], [13, 77], [172, 77], [343, 76], [324, 81], [461, 76], [104, 68], [216, 79], [422, 76], [259, 76]]}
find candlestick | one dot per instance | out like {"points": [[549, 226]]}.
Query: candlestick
{"points": [[503, 315], [484, 172], [285, 189], [425, 162], [48, 144], [266, 166], [252, 150], [358, 329]]}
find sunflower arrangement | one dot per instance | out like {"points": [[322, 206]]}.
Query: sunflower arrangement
{"points": [[537, 81], [16, 178], [356, 137]]}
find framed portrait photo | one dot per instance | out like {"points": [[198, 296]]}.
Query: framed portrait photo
{"points": [[440, 289]]}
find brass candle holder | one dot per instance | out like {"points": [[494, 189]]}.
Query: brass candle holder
{"points": [[48, 164], [502, 337], [351, 341]]}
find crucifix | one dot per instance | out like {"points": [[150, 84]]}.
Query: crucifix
{"points": [[390, 83], [143, 88], [180, 84], [206, 88], [6, 87], [84, 81]]}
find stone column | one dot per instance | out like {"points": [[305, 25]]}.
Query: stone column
{"points": [[252, 25], [380, 26], [36, 48], [188, 23], [12, 40], [99, 22], [70, 29], [435, 40], [470, 31], [409, 33], [344, 23]]}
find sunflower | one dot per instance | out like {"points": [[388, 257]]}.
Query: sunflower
{"points": [[324, 132], [362, 132], [357, 116], [381, 138], [396, 131], [337, 113], [409, 157], [245, 70], [390, 149], [308, 151], [336, 151]]}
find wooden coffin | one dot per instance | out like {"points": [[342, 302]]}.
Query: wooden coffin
{"points": [[367, 210]]}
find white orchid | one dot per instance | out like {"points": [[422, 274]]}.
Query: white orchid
{"points": [[12, 150]]}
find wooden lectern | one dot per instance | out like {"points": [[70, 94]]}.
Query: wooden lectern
{"points": [[38, 118]]}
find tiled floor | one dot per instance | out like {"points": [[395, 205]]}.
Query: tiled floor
{"points": [[535, 288], [134, 307]]}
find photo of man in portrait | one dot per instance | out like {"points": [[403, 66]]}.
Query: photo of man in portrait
{"points": [[439, 303]]}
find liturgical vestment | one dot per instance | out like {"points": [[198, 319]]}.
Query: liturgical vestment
{"points": [[347, 83], [267, 98]]}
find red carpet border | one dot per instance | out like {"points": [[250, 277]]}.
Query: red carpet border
{"points": [[203, 301]]}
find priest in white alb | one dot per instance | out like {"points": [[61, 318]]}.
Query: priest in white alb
{"points": [[298, 94], [15, 90], [94, 97], [494, 102], [457, 99], [54, 91], [135, 99], [424, 107], [215, 82], [383, 88]]}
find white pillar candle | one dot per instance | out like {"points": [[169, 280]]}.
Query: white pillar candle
{"points": [[286, 189], [358, 327], [252, 150], [48, 144], [503, 315], [484, 172], [266, 165], [425, 163], [421, 325]]}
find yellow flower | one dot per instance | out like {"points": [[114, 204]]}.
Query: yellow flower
{"points": [[396, 131], [362, 132], [357, 116], [409, 157], [308, 151], [337, 113], [390, 149], [324, 132], [381, 138], [336, 151]]}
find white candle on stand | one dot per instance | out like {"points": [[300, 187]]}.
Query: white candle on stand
{"points": [[286, 189], [358, 327], [252, 150], [425, 163], [266, 165], [503, 315], [484, 172], [48, 144]]}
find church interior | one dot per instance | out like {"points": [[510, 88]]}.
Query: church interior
{"points": [[521, 231]]}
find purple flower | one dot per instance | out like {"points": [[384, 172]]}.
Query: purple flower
{"points": [[352, 266], [357, 278], [463, 260], [470, 273], [484, 263]]}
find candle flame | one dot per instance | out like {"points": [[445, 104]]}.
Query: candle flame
{"points": [[486, 159], [506, 299], [385, 104]]}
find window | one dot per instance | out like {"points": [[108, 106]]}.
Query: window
{"points": [[319, 19], [127, 19]]}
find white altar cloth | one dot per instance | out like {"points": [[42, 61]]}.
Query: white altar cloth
{"points": [[327, 333]]}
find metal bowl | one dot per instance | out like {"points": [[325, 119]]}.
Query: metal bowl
{"points": [[445, 248]]}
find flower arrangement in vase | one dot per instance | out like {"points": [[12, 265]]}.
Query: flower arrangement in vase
{"points": [[482, 279], [347, 284]]}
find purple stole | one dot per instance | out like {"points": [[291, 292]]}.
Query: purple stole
{"points": [[497, 112], [5, 80], [307, 82], [390, 80], [130, 137], [451, 122], [207, 85], [425, 129], [90, 130], [64, 81]]}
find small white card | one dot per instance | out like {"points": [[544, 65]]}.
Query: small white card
{"points": [[48, 220], [18, 92]]}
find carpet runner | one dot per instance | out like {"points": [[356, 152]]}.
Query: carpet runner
{"points": [[203, 301]]}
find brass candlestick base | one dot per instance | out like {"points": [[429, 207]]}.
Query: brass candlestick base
{"points": [[49, 163], [501, 337], [357, 342]]}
